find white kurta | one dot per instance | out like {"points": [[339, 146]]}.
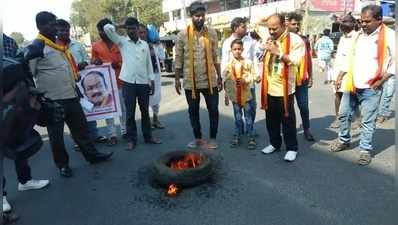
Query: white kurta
{"points": [[155, 98]]}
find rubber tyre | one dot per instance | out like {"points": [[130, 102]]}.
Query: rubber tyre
{"points": [[165, 176]]}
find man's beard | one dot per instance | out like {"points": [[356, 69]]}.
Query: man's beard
{"points": [[199, 25]]}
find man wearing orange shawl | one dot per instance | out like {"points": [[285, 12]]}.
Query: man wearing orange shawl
{"points": [[304, 76], [55, 75], [196, 58], [283, 53], [370, 64]]}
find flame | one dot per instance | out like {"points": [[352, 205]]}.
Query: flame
{"points": [[189, 161], [172, 190]]}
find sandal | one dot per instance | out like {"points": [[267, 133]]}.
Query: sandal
{"points": [[235, 142], [252, 144]]}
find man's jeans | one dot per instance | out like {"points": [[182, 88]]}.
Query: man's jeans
{"points": [[369, 100], [132, 93], [247, 111], [212, 108], [302, 102], [388, 93]]}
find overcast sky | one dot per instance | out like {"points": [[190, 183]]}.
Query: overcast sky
{"points": [[19, 15]]}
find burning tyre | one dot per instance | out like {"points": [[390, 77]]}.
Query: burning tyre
{"points": [[183, 169]]}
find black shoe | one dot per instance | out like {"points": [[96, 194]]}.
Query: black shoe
{"points": [[100, 157], [65, 171], [308, 136]]}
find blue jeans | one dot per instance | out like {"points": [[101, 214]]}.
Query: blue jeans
{"points": [[247, 111], [302, 102], [369, 100], [388, 93]]}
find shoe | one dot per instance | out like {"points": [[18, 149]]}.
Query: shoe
{"points": [[153, 140], [112, 141], [268, 150], [290, 156], [235, 141], [196, 143], [252, 144], [338, 146], [10, 218], [380, 119], [364, 158], [308, 136], [335, 124], [76, 148], [124, 136], [33, 185], [212, 144], [157, 124], [100, 157], [131, 146], [101, 139], [66, 171], [6, 205]]}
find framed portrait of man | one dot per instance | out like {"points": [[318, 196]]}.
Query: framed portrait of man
{"points": [[100, 94]]}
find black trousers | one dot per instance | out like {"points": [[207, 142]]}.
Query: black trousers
{"points": [[275, 118], [77, 124], [212, 108], [132, 93], [23, 172]]}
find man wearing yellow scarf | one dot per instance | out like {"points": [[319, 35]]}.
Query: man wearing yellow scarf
{"points": [[55, 74], [371, 62], [283, 54], [196, 58]]}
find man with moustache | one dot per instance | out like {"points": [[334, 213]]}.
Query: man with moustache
{"points": [[283, 54], [137, 76], [197, 60], [55, 75], [371, 63]]}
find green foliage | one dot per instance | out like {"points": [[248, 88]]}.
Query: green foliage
{"points": [[86, 13], [18, 37]]}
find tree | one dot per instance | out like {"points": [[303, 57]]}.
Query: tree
{"points": [[18, 37], [149, 11], [86, 13]]}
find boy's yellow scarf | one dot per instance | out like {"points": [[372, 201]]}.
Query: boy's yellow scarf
{"points": [[65, 50], [381, 56], [241, 88], [268, 62], [208, 57]]}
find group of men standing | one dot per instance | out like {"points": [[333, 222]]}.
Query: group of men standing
{"points": [[283, 72]]}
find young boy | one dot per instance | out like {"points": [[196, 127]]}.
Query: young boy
{"points": [[239, 75]]}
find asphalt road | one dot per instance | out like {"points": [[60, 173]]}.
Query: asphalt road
{"points": [[249, 188]]}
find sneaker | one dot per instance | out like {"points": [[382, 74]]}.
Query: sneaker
{"points": [[6, 205], [308, 136], [364, 158], [101, 139], [268, 150], [196, 143], [338, 146], [290, 156], [212, 144], [33, 185]]}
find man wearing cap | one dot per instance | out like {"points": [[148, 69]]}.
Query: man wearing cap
{"points": [[196, 58]]}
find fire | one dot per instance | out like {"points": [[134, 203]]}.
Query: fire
{"points": [[189, 161], [172, 190]]}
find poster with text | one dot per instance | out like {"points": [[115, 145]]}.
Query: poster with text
{"points": [[100, 93]]}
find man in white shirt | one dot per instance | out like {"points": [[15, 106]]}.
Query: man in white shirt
{"points": [[371, 64], [239, 28], [138, 77]]}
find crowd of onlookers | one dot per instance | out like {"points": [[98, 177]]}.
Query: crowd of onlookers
{"points": [[276, 65]]}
